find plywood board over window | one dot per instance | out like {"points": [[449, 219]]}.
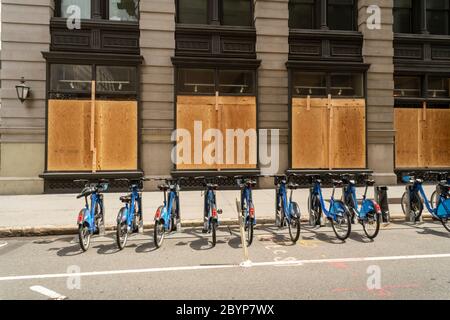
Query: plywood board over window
{"points": [[422, 138], [70, 135], [328, 133], [116, 125], [220, 113]]}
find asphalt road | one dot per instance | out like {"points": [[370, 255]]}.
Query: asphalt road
{"points": [[405, 262]]}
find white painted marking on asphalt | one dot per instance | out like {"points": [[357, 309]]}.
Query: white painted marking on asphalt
{"points": [[48, 293], [292, 263], [3, 244]]}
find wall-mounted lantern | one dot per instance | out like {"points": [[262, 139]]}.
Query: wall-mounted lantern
{"points": [[23, 91]]}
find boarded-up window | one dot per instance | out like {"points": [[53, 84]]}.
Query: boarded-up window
{"points": [[328, 133], [422, 138], [198, 114], [72, 138]]}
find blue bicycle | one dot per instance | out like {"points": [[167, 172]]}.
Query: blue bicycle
{"points": [[91, 219], [337, 213], [369, 213], [414, 197], [210, 211], [287, 212], [246, 205], [167, 217], [130, 219]]}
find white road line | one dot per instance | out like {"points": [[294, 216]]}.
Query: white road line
{"points": [[3, 244], [48, 293], [225, 266]]}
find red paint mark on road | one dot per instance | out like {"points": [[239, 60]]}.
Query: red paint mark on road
{"points": [[339, 265]]}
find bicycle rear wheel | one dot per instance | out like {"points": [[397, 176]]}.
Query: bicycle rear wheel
{"points": [[342, 225], [213, 232], [315, 211], [249, 232], [159, 233], [371, 225], [415, 206], [84, 236]]}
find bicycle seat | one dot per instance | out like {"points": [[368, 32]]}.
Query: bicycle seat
{"points": [[293, 186], [212, 186], [337, 183], [126, 199], [163, 187], [370, 182]]}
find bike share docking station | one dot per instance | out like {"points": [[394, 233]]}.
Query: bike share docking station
{"points": [[381, 197]]}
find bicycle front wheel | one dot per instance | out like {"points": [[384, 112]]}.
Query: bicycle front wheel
{"points": [[341, 223], [122, 230], [434, 200]]}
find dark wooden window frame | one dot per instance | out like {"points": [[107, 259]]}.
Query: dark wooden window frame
{"points": [[328, 75], [99, 10], [321, 16], [419, 18], [217, 81], [128, 95], [215, 15], [416, 102]]}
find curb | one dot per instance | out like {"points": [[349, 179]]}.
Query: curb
{"points": [[9, 232]]}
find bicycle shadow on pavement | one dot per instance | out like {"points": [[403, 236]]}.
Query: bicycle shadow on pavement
{"points": [[322, 235], [275, 235], [203, 241], [431, 231], [358, 236], [147, 246]]}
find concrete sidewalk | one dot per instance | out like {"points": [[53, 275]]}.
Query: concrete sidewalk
{"points": [[57, 214]]}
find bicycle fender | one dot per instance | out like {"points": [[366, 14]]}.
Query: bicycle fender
{"points": [[82, 216], [339, 208], [122, 215], [295, 210], [443, 210]]}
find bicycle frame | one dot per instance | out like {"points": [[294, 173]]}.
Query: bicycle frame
{"points": [[287, 204], [89, 212], [130, 208], [317, 190], [247, 196], [418, 188], [168, 205], [210, 199], [366, 205]]}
